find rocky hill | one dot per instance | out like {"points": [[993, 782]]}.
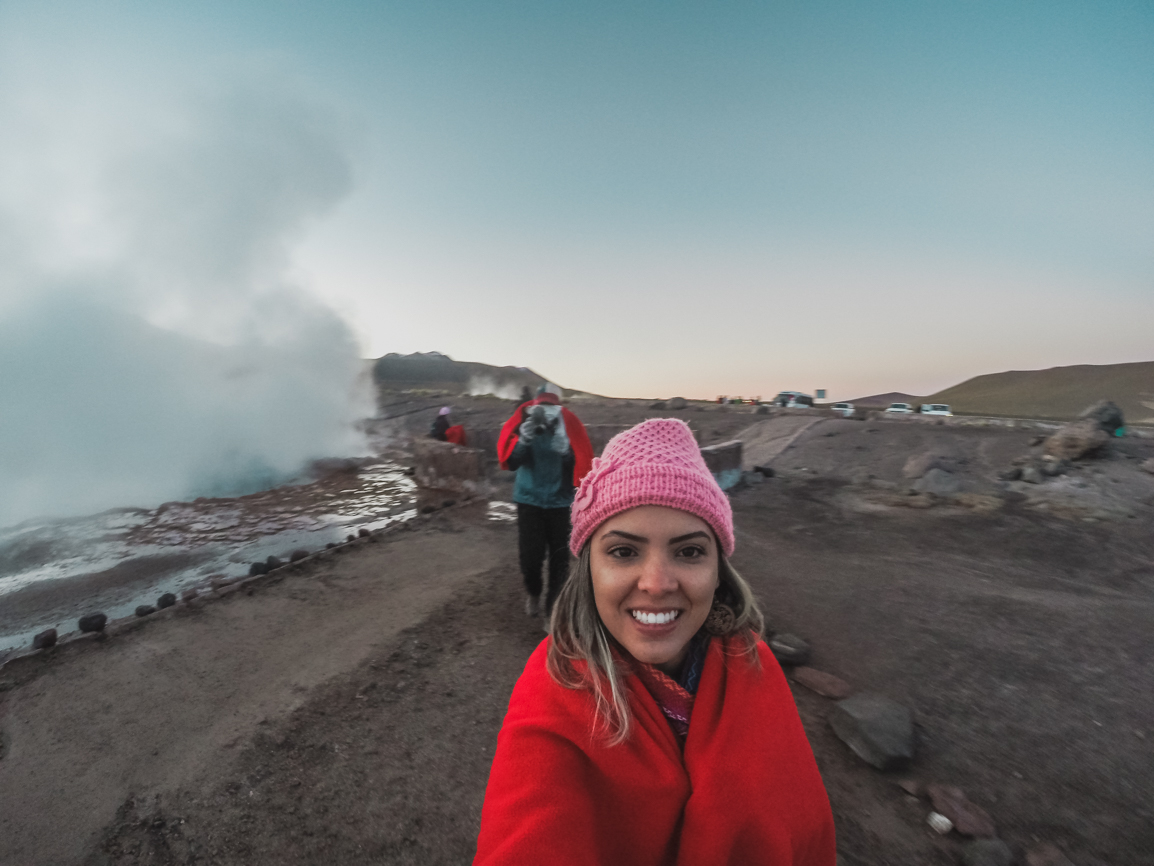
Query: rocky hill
{"points": [[1058, 393], [433, 371]]}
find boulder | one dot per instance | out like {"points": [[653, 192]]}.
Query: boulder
{"points": [[257, 568], [364, 533], [660, 404], [298, 555], [789, 649], [92, 622], [919, 464], [1046, 854], [987, 852], [1032, 475], [1106, 415], [826, 685], [166, 600], [969, 819], [880, 731], [273, 562], [939, 482], [45, 639], [145, 610], [677, 403], [1075, 440]]}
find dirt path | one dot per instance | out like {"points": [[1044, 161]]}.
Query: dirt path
{"points": [[176, 700]]}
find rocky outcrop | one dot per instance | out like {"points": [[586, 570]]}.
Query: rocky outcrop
{"points": [[92, 622], [880, 731], [1106, 415], [45, 639], [1076, 440]]}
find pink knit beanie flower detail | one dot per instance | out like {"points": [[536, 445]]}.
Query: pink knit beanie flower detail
{"points": [[655, 463]]}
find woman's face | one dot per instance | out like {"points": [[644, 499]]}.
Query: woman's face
{"points": [[654, 573]]}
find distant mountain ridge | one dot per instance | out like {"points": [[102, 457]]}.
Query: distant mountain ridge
{"points": [[434, 371], [1058, 393], [880, 401]]}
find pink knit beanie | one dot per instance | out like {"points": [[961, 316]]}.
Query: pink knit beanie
{"points": [[655, 463]]}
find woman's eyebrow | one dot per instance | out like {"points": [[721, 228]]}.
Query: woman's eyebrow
{"points": [[628, 535], [681, 538]]}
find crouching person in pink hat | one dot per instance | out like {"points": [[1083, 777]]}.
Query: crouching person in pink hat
{"points": [[654, 727]]}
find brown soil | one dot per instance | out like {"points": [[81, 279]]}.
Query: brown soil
{"points": [[346, 710]]}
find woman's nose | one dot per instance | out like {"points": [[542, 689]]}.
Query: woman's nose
{"points": [[657, 575]]}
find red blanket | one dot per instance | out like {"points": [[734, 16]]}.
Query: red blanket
{"points": [[574, 429], [745, 792]]}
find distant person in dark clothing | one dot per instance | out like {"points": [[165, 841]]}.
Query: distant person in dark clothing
{"points": [[526, 394], [441, 425], [549, 449]]}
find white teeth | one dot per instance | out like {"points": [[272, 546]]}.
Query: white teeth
{"points": [[656, 618]]}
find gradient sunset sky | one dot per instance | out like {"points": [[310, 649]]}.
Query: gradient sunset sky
{"points": [[659, 198]]}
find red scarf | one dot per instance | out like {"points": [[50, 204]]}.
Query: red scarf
{"points": [[745, 791], [574, 429], [675, 702]]}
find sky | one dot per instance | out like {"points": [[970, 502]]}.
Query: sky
{"points": [[639, 199]]}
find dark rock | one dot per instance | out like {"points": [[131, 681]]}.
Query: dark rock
{"points": [[767, 471], [363, 533], [878, 730], [987, 852], [351, 537], [166, 600], [969, 819], [1106, 415], [298, 555], [145, 610], [677, 403], [660, 404], [274, 562], [428, 509], [789, 649], [257, 568], [1011, 474], [826, 685], [92, 622], [1046, 854], [1075, 440], [45, 639], [1032, 475], [330, 545], [939, 482]]}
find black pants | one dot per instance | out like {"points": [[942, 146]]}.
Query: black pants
{"points": [[541, 532]]}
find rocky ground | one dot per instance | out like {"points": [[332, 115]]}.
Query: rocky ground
{"points": [[345, 709]]}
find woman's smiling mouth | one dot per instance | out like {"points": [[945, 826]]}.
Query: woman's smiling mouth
{"points": [[649, 617]]}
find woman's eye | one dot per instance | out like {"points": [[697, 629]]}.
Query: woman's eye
{"points": [[691, 552], [621, 552]]}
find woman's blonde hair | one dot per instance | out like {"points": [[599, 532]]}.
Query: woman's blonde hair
{"points": [[578, 634]]}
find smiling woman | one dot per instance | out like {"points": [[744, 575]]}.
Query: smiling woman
{"points": [[654, 726]]}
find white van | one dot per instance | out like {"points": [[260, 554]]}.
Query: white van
{"points": [[935, 409], [900, 409], [843, 409]]}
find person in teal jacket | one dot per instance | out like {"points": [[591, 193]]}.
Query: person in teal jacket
{"points": [[543, 491]]}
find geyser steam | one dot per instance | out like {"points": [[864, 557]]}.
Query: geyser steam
{"points": [[153, 342]]}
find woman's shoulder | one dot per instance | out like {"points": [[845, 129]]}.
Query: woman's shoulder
{"points": [[538, 694]]}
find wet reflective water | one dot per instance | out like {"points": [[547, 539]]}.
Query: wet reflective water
{"points": [[52, 571]]}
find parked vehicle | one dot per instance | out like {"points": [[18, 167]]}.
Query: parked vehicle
{"points": [[793, 400], [900, 409], [843, 409], [935, 409]]}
